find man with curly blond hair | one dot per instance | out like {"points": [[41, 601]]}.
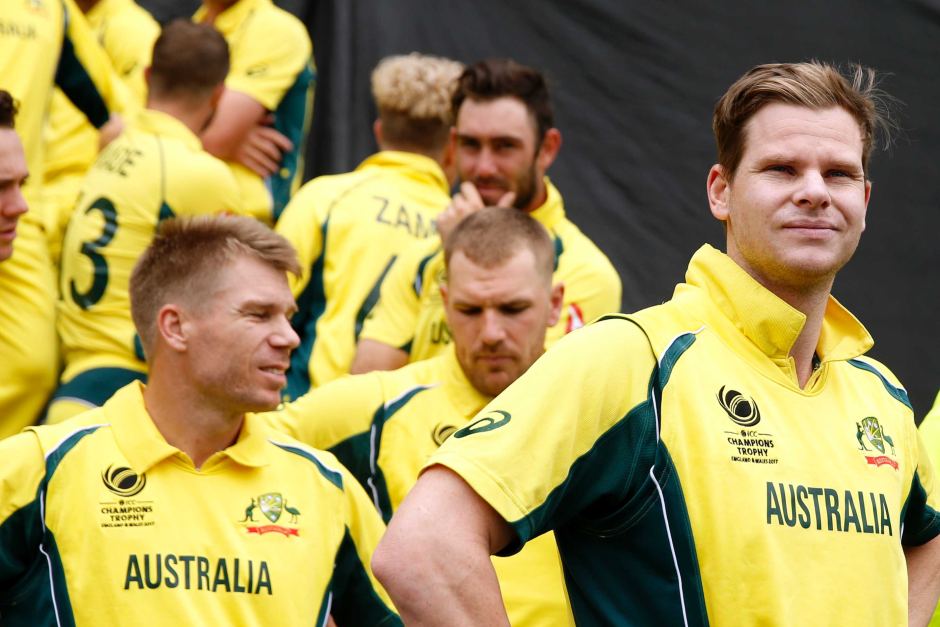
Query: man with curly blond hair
{"points": [[349, 228]]}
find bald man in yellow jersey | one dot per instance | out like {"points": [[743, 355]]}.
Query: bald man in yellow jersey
{"points": [[155, 170], [349, 228], [42, 44], [730, 457], [264, 116], [126, 33], [505, 142], [384, 426]]}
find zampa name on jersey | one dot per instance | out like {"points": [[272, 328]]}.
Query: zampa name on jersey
{"points": [[195, 572], [826, 508]]}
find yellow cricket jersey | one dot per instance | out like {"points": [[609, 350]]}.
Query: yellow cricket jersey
{"points": [[271, 61], [156, 169], [102, 522], [126, 33], [384, 426], [42, 43], [347, 230], [930, 434], [690, 480], [410, 312]]}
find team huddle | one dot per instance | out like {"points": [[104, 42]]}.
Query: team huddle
{"points": [[404, 394]]}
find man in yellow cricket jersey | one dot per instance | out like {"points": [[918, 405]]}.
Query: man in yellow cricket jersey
{"points": [[42, 44], [155, 170], [168, 506], [506, 141], [384, 426], [729, 457], [126, 32], [263, 118], [349, 228], [13, 173]]}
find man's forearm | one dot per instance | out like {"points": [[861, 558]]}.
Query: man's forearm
{"points": [[923, 579]]}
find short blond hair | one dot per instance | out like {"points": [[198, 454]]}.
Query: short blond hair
{"points": [[184, 257], [812, 84], [412, 94]]}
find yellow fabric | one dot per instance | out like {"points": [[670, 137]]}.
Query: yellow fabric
{"points": [[32, 34], [155, 169], [347, 229], [253, 534], [930, 434], [269, 49], [414, 409], [126, 32], [410, 313], [627, 432]]}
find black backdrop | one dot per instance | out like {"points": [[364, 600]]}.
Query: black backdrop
{"points": [[634, 85]]}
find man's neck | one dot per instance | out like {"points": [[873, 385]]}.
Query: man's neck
{"points": [[214, 8], [86, 5], [538, 199], [812, 302], [194, 427], [193, 118]]}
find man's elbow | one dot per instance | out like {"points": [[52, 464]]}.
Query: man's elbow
{"points": [[395, 563]]}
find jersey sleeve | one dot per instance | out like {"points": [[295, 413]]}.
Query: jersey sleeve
{"points": [[580, 417], [84, 72], [265, 71], [394, 318], [208, 188], [336, 417], [21, 527], [359, 598], [300, 226]]}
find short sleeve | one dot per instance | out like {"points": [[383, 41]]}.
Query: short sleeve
{"points": [[564, 438]]}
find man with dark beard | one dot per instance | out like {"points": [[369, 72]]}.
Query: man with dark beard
{"points": [[505, 142]]}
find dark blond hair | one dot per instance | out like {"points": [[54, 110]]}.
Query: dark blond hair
{"points": [[185, 256], [412, 94], [813, 84], [492, 236]]}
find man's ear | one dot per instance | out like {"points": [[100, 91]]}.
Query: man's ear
{"points": [[718, 188], [548, 151], [557, 300], [172, 327]]}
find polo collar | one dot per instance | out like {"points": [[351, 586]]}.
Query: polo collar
{"points": [[165, 125], [418, 167], [552, 211], [144, 446], [765, 320]]}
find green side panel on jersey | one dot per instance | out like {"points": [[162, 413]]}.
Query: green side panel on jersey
{"points": [[30, 557], [331, 475], [292, 119], [559, 249], [359, 453], [355, 601], [311, 303], [372, 298], [920, 521], [73, 79], [166, 212], [896, 392], [622, 527]]}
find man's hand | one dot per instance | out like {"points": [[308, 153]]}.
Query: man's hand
{"points": [[466, 201], [261, 150]]}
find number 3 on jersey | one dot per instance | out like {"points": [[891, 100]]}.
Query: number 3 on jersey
{"points": [[91, 250]]}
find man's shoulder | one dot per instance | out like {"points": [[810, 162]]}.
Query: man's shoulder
{"points": [[323, 464], [60, 438], [578, 253]]}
